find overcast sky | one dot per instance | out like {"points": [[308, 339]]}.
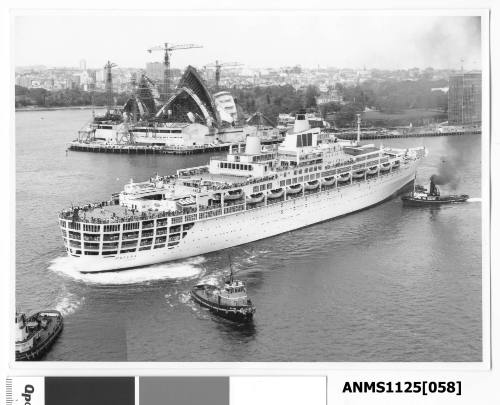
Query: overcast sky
{"points": [[258, 40]]}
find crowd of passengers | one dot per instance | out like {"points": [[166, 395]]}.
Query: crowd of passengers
{"points": [[74, 212]]}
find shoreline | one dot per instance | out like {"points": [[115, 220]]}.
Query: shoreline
{"points": [[83, 107]]}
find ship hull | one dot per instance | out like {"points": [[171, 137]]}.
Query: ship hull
{"points": [[411, 201], [243, 227]]}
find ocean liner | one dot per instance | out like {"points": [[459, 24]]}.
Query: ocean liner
{"points": [[249, 195]]}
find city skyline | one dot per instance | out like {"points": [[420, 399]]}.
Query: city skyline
{"points": [[375, 42]]}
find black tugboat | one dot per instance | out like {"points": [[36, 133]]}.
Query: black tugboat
{"points": [[230, 302], [420, 196], [36, 333]]}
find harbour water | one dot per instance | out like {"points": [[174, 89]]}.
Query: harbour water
{"points": [[389, 283]]}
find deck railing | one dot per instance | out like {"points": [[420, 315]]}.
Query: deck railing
{"points": [[203, 212]]}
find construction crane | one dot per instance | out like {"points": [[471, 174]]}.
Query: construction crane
{"points": [[218, 66], [168, 49], [109, 84]]}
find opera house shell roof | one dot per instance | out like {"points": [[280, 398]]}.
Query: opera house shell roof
{"points": [[192, 102]]}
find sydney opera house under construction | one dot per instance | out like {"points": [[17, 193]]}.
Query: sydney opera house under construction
{"points": [[192, 116]]}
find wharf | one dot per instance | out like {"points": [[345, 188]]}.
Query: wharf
{"points": [[412, 134], [194, 149], [160, 150]]}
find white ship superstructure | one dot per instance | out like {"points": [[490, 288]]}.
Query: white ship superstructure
{"points": [[246, 196]]}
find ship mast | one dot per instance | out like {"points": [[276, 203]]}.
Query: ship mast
{"points": [[230, 270], [359, 127]]}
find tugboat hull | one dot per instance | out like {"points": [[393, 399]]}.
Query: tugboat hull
{"points": [[412, 201], [241, 314], [47, 335]]}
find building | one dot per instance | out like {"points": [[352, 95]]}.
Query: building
{"points": [[333, 96], [154, 70], [464, 99], [83, 64]]}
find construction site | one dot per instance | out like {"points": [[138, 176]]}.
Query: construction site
{"points": [[158, 117]]}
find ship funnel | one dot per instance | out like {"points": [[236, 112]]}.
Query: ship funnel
{"points": [[301, 123], [433, 190], [253, 145]]}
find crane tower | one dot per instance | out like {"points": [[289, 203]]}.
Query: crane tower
{"points": [[168, 49], [109, 85], [218, 66]]}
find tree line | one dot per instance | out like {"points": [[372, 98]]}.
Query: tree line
{"points": [[63, 98], [388, 96]]}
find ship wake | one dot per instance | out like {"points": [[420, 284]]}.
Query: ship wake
{"points": [[186, 269], [68, 303], [475, 199]]}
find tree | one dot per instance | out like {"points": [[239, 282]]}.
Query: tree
{"points": [[310, 96]]}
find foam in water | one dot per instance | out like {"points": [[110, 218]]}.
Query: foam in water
{"points": [[185, 298], [68, 303], [475, 199], [212, 279], [190, 268]]}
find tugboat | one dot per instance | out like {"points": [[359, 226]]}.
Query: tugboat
{"points": [[36, 333], [420, 196], [230, 302]]}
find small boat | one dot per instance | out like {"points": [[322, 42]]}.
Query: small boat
{"points": [[255, 198], [420, 196], [395, 165], [36, 333], [372, 170], [295, 189], [276, 193], [328, 181], [311, 185], [230, 302], [233, 195], [344, 177], [385, 166], [358, 174]]}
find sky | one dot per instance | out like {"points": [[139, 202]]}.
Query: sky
{"points": [[255, 39]]}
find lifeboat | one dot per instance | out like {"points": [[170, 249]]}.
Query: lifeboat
{"points": [[328, 181], [216, 197], [311, 185], [277, 193], [372, 170], [385, 166], [344, 177], [255, 198], [233, 195], [395, 164], [358, 174], [295, 189]]}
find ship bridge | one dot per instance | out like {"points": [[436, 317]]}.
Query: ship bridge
{"points": [[253, 162]]}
